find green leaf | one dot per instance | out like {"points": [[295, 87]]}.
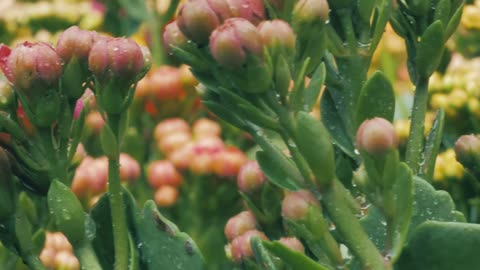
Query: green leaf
{"points": [[278, 169], [261, 254], [297, 95], [377, 99], [333, 122], [432, 146], [313, 89], [454, 21], [135, 8], [224, 114], [162, 245], [294, 259], [442, 11], [430, 49], [379, 28], [442, 246], [365, 8]]}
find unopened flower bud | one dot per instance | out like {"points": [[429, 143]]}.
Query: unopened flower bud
{"points": [[173, 142], [232, 42], [250, 177], [162, 172], [166, 196], [239, 224], [182, 156], [376, 136], [292, 243], [228, 162], [277, 34], [129, 168], [94, 122], [295, 205], [166, 83], [205, 127], [173, 37], [241, 247], [75, 42], [311, 12], [47, 257], [170, 126], [467, 150]]}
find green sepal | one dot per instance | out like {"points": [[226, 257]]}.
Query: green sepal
{"points": [[67, 211], [28, 207], [38, 240], [430, 49], [432, 146], [454, 22], [262, 256], [380, 23], [282, 76], [442, 11], [74, 75], [109, 142], [377, 99], [297, 95], [442, 246], [46, 109], [313, 89], [255, 77], [313, 141], [279, 169], [294, 259]]}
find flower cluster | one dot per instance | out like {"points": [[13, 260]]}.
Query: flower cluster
{"points": [[57, 253]]}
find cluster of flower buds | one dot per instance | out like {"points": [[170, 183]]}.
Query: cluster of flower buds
{"points": [[457, 91], [91, 176], [165, 179], [57, 254], [199, 149]]}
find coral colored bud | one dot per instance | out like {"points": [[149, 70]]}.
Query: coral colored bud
{"points": [[467, 150], [66, 260], [173, 37], [228, 162], [173, 142], [292, 243], [295, 204], [277, 34], [201, 163], [59, 242], [162, 172], [170, 126], [208, 145], [119, 58], [31, 65], [47, 257], [376, 136], [166, 196], [98, 175], [182, 156], [205, 127], [241, 248], [250, 177], [129, 168], [166, 83], [233, 41], [95, 122], [311, 12], [75, 42], [239, 224]]}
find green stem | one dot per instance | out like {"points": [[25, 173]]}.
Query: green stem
{"points": [[352, 232], [119, 222], [86, 256], [33, 262], [415, 140]]}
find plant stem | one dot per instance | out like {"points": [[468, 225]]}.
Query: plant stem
{"points": [[415, 139], [86, 256], [119, 223], [33, 262], [350, 229]]}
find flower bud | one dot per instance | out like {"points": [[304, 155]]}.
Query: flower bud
{"points": [[94, 122], [239, 224], [231, 43], [182, 156], [166, 83], [129, 168], [162, 172], [166, 196], [47, 257], [170, 126], [201, 163], [228, 162], [205, 127], [75, 42], [250, 177], [292, 243], [208, 145], [241, 248], [277, 34], [173, 142], [295, 205], [376, 136], [173, 37], [467, 150], [311, 12]]}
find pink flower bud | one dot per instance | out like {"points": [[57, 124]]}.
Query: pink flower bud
{"points": [[166, 83], [31, 65], [205, 127], [311, 12], [233, 41], [173, 37], [162, 172], [277, 33], [75, 42], [376, 136], [201, 163], [95, 122], [182, 156], [241, 248], [170, 126], [228, 162], [239, 224], [47, 257], [173, 142], [98, 175], [129, 168], [295, 204], [250, 177], [208, 145], [78, 109], [292, 243], [166, 196], [120, 58], [467, 150]]}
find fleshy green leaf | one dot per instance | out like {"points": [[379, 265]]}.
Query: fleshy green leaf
{"points": [[432, 146], [314, 87], [379, 27], [261, 254], [278, 169], [377, 99], [430, 49], [442, 246], [294, 259]]}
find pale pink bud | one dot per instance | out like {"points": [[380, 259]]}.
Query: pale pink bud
{"points": [[129, 168], [277, 34], [166, 196], [376, 136], [241, 247], [162, 172], [250, 177], [169, 126], [292, 243], [229, 161], [173, 37], [75, 42], [239, 224], [166, 83], [173, 142], [205, 127], [295, 205]]}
